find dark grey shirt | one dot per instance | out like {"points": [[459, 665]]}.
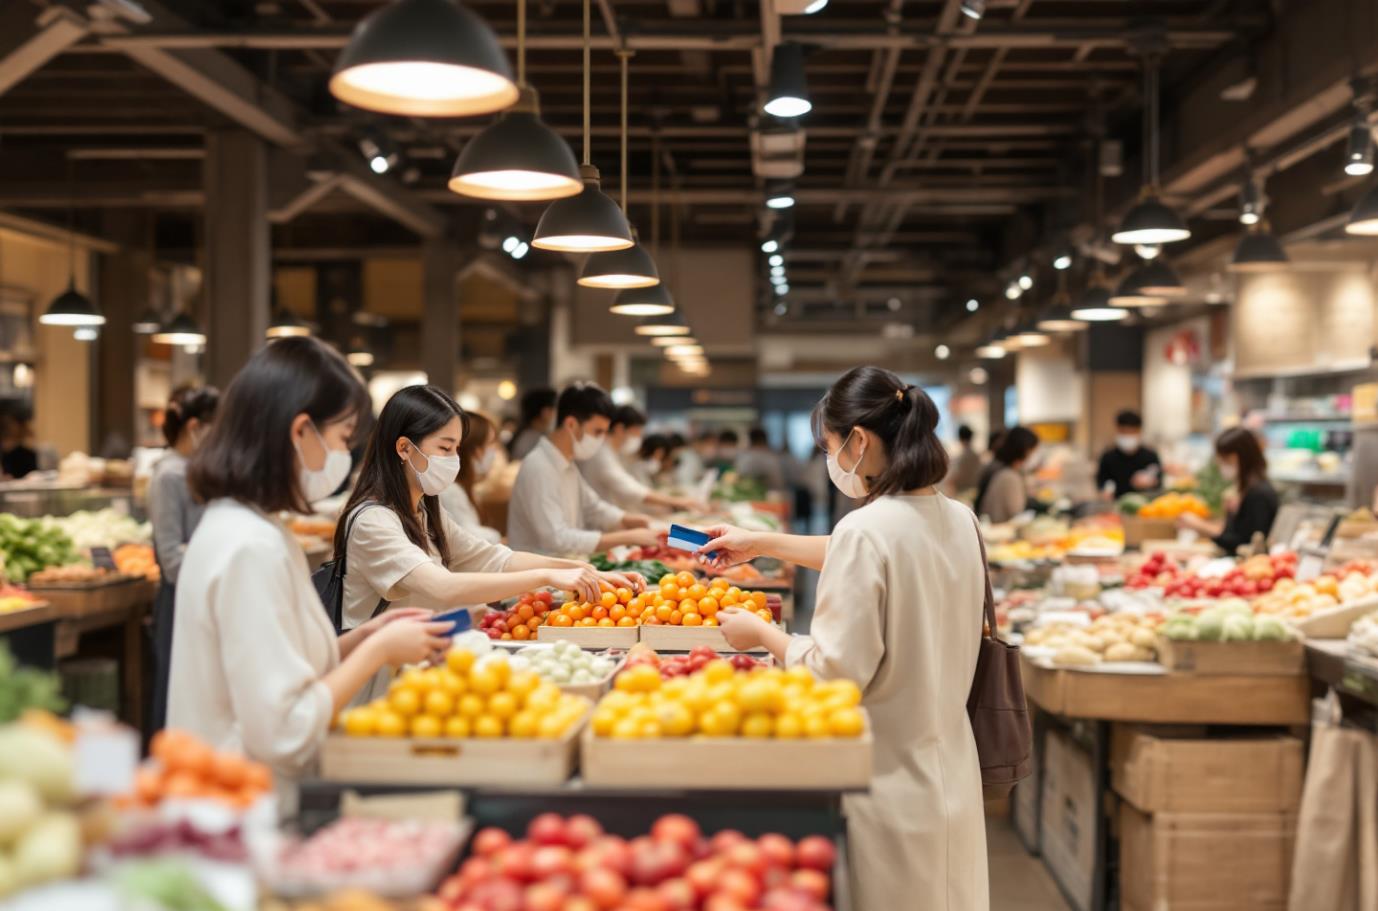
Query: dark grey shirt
{"points": [[172, 512]]}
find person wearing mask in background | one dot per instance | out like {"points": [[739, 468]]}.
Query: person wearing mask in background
{"points": [[553, 509], [400, 546], [727, 450], [1002, 493], [1254, 506], [478, 453], [1129, 466], [650, 463], [622, 474], [760, 462], [993, 443], [697, 460], [965, 473], [173, 514], [507, 431], [17, 457], [257, 666], [538, 417], [899, 611]]}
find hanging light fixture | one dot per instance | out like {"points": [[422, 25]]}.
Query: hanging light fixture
{"points": [[1060, 319], [1259, 251], [518, 158], [1157, 278], [424, 58], [652, 301], [1363, 221], [789, 91], [589, 222], [286, 324], [666, 324], [1096, 307], [990, 351], [181, 330], [147, 322], [71, 307], [1151, 221], [632, 267], [779, 197], [665, 341], [974, 9], [359, 354], [1130, 291], [1359, 155], [1251, 202], [1029, 336]]}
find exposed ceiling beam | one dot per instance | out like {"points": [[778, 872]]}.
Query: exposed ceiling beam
{"points": [[26, 43]]}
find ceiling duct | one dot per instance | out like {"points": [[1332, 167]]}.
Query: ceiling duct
{"points": [[777, 153]]}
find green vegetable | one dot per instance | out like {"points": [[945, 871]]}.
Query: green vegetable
{"points": [[1210, 627], [168, 885], [26, 688], [1131, 503], [1271, 629], [29, 545], [1237, 628]]}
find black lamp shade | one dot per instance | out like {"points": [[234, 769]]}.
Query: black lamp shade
{"points": [[1157, 278], [1029, 336], [789, 90], [1364, 219], [72, 308], [629, 268], [669, 324], [1131, 293], [518, 159], [426, 58], [651, 301], [1259, 251], [1151, 222], [587, 223], [182, 330], [1060, 319]]}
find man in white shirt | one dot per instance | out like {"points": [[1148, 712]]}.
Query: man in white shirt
{"points": [[609, 474], [553, 509], [696, 460]]}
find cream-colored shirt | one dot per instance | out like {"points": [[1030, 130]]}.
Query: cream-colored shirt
{"points": [[553, 509], [1006, 496], [611, 480], [251, 643], [899, 611], [459, 507]]}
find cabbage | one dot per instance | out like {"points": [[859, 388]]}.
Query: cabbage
{"points": [[1210, 627], [1237, 628], [1271, 629]]}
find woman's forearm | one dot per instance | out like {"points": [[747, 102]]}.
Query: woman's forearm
{"points": [[441, 585], [350, 640], [804, 550], [776, 641], [353, 672], [521, 561]]}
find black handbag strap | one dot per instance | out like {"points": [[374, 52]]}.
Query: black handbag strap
{"points": [[985, 573], [342, 559]]}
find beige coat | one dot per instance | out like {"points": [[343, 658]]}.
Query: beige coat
{"points": [[899, 611]]}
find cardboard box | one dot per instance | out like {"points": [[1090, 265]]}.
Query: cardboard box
{"points": [[1068, 817], [1184, 771], [1272, 659], [1205, 861]]}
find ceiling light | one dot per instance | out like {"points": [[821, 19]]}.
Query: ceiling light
{"points": [[147, 322], [519, 159], [510, 242], [990, 352], [973, 305], [777, 270], [776, 260], [894, 304], [814, 7], [684, 351], [507, 390], [942, 352], [978, 376], [1364, 219], [360, 358], [1259, 251], [789, 91], [1145, 251], [782, 288], [974, 9], [1012, 291], [182, 330], [1250, 203], [1060, 319], [521, 250], [629, 268], [1095, 307], [1159, 279], [286, 324], [653, 300], [587, 223], [671, 323], [427, 58], [1028, 336], [780, 199], [86, 333], [1150, 221], [378, 164], [1063, 261], [1130, 292], [770, 246], [665, 341], [781, 308], [1359, 155], [1025, 281], [72, 308]]}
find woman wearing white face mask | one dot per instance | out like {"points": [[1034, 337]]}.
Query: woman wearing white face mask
{"points": [[256, 664], [478, 454], [899, 611], [1254, 506], [400, 547]]}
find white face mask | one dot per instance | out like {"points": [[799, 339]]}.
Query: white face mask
{"points": [[847, 481], [1229, 471], [653, 466], [321, 483], [1127, 443], [587, 446], [485, 464], [631, 446], [440, 472]]}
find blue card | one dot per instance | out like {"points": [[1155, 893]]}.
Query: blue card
{"points": [[460, 618], [682, 538]]}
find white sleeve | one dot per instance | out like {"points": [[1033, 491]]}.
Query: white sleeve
{"points": [[282, 707], [471, 554], [847, 633], [379, 551], [595, 511], [538, 508]]}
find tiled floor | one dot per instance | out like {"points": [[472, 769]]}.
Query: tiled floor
{"points": [[1018, 882]]}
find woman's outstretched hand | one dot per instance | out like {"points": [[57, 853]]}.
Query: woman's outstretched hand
{"points": [[728, 546]]}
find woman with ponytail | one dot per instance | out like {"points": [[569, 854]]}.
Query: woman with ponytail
{"points": [[899, 611]]}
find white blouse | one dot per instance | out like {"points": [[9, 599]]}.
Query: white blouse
{"points": [[553, 509], [611, 480], [251, 642], [459, 507]]}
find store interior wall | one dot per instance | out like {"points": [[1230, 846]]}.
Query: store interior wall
{"points": [[1167, 388], [1049, 387], [1300, 319]]}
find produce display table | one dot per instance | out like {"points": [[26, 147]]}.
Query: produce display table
{"points": [[30, 634]]}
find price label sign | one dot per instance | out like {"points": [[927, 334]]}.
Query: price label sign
{"points": [[102, 558], [1309, 567]]}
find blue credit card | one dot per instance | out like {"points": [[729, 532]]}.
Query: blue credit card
{"points": [[682, 538], [460, 617]]}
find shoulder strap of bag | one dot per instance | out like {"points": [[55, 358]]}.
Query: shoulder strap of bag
{"points": [[985, 574], [382, 604]]}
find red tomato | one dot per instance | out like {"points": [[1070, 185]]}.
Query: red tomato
{"points": [[544, 897], [676, 828], [778, 849], [514, 862], [678, 894], [605, 888], [741, 885], [545, 597], [489, 841], [550, 861], [812, 883], [582, 830], [816, 853], [720, 901], [724, 840], [703, 876], [547, 829], [642, 899], [749, 857]]}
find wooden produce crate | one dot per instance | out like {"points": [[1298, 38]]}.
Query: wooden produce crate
{"points": [[1270, 659], [743, 763], [450, 762], [1205, 861], [687, 638], [594, 691], [73, 602], [591, 637], [1068, 815], [38, 612], [1183, 770], [1137, 530]]}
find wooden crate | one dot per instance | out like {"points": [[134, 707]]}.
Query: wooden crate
{"points": [[1138, 530], [1068, 815], [595, 691], [38, 612], [1268, 659], [1183, 770], [1205, 861], [686, 638], [592, 637], [741, 763], [442, 761], [72, 602]]}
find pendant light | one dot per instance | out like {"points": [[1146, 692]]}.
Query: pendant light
{"points": [[519, 158], [1029, 336], [665, 341], [652, 301], [1363, 221], [632, 267], [424, 58], [71, 307], [286, 324], [1130, 291], [1060, 319], [588, 222], [667, 324], [789, 90], [1259, 251], [1151, 221], [1159, 279], [990, 351], [1095, 307], [147, 322], [182, 330]]}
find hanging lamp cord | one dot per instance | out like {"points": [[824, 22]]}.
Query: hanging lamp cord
{"points": [[624, 56], [655, 193], [588, 152], [71, 225], [521, 44]]}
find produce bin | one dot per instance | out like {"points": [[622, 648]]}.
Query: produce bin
{"points": [[687, 638], [1242, 658], [1183, 770], [591, 637], [1137, 530]]}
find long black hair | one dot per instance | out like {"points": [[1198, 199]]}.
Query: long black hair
{"points": [[415, 412], [248, 455], [1241, 443], [902, 416]]}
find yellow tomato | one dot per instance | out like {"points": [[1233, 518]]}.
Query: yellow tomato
{"points": [[523, 683], [670, 591], [458, 726], [759, 695], [729, 716], [502, 705], [405, 701], [626, 729], [817, 726], [453, 683], [425, 726], [487, 726], [789, 727], [471, 706], [717, 671], [360, 722], [847, 723], [439, 703], [485, 681], [459, 660], [800, 676], [390, 724], [845, 691], [523, 724], [543, 698], [757, 725], [675, 719], [603, 722], [684, 578]]}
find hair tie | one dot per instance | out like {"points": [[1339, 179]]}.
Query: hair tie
{"points": [[900, 393]]}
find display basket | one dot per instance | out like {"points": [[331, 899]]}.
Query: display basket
{"points": [[1270, 659], [590, 637], [688, 638]]}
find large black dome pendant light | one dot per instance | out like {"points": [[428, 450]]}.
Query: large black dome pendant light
{"points": [[589, 222], [71, 307], [519, 158], [632, 267], [424, 58], [1151, 221]]}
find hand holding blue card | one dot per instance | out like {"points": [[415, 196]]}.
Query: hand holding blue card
{"points": [[687, 539]]}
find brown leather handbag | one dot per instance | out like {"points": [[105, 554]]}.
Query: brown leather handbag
{"points": [[996, 705]]}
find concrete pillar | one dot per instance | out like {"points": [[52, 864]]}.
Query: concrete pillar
{"points": [[123, 293], [440, 314], [237, 254]]}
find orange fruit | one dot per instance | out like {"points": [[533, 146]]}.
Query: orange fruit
{"points": [[526, 611], [588, 621], [663, 612], [521, 631], [758, 599], [606, 621], [627, 621], [608, 599], [599, 613], [727, 600], [534, 623], [697, 590], [689, 605], [710, 621], [766, 615], [719, 583], [183, 784], [562, 620], [191, 756], [617, 613], [577, 612], [676, 617], [148, 785], [691, 620], [669, 591], [708, 605], [230, 770], [624, 595], [684, 578]]}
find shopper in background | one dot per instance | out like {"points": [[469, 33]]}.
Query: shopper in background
{"points": [[478, 453], [1002, 493], [1129, 465], [697, 460], [760, 462], [622, 474], [993, 443], [899, 607], [1255, 505], [727, 450], [400, 547], [965, 473], [507, 431], [256, 665], [553, 509], [538, 418], [651, 461], [17, 457], [173, 514]]}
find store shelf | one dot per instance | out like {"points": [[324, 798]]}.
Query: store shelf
{"points": [[1317, 478], [1305, 419]]}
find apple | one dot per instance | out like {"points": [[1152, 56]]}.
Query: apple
{"points": [[545, 897], [605, 888], [473, 871], [812, 883], [547, 829], [514, 862], [581, 830], [744, 886], [722, 842], [816, 853], [552, 860], [679, 894], [489, 841], [703, 875], [778, 849], [748, 856], [677, 829]]}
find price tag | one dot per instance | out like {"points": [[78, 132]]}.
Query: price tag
{"points": [[102, 558], [1309, 567]]}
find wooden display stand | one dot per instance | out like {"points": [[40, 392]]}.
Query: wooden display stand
{"points": [[686, 638], [75, 602], [1249, 659], [40, 612], [1137, 530]]}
